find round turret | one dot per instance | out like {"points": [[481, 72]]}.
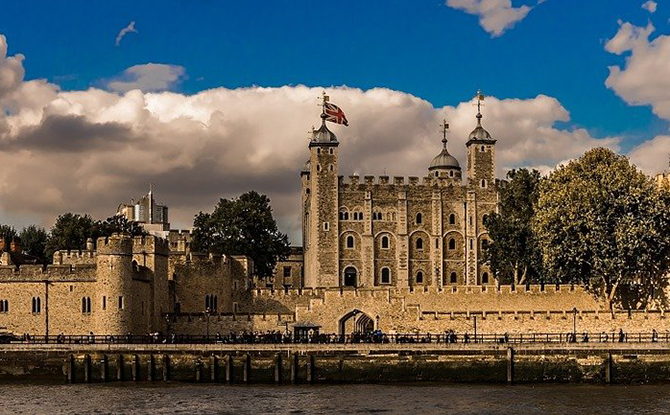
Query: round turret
{"points": [[323, 136], [444, 160]]}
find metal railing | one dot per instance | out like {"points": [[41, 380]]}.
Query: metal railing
{"points": [[376, 337]]}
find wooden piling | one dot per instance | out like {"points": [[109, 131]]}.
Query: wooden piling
{"points": [[278, 369], [510, 366], [294, 368], [229, 369], [87, 368], [166, 368], [150, 368], [608, 369], [311, 366], [247, 368], [198, 372], [135, 370], [69, 369], [104, 368], [214, 368], [119, 368]]}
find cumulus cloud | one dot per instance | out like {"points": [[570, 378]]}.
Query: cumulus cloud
{"points": [[643, 80], [652, 155], [149, 77], [495, 16], [650, 6], [88, 151], [128, 29]]}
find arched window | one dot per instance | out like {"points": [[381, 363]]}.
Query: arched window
{"points": [[350, 275], [215, 302], [350, 242], [385, 242], [419, 244], [451, 173], [37, 305], [452, 219], [452, 244], [83, 304], [4, 306], [386, 276], [453, 278], [419, 277], [419, 218], [485, 278], [437, 174], [86, 305], [483, 148], [207, 302], [483, 183]]}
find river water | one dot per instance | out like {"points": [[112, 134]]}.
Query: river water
{"points": [[344, 399]]}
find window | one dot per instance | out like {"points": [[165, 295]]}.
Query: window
{"points": [[86, 305], [318, 167], [385, 242], [419, 218], [350, 242], [419, 244], [437, 243], [485, 278], [318, 151], [419, 277], [287, 272], [451, 173], [471, 244], [453, 278], [376, 216], [483, 183], [330, 151], [358, 215], [211, 303], [104, 302], [330, 167], [452, 219], [37, 305], [483, 148], [386, 276], [437, 174], [71, 288], [452, 244], [4, 306], [121, 305], [325, 226]]}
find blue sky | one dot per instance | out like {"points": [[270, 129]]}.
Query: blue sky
{"points": [[421, 47], [209, 99]]}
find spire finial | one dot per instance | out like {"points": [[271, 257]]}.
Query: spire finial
{"points": [[445, 129], [480, 99], [324, 98]]}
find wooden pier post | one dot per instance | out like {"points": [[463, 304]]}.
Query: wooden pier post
{"points": [[229, 369], [608, 369], [198, 371], [247, 368], [510, 365], [119, 368], [87, 368], [278, 369], [311, 366], [104, 368], [294, 368], [166, 368], [150, 368], [69, 369], [135, 371], [214, 368]]}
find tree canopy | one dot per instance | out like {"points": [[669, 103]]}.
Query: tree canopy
{"points": [[242, 226], [513, 254], [70, 231], [602, 223], [7, 233], [34, 241]]}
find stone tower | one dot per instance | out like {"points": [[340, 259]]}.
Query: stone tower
{"points": [[480, 190], [320, 210], [115, 285]]}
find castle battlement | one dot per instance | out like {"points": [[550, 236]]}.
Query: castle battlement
{"points": [[117, 244], [52, 273], [397, 182], [63, 257], [150, 244]]}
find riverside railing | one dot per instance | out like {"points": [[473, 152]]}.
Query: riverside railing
{"points": [[375, 337]]}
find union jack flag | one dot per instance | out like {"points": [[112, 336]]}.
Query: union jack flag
{"points": [[334, 114]]}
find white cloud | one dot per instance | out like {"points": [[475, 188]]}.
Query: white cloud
{"points": [[150, 77], [650, 6], [644, 79], [495, 16], [87, 151], [652, 155], [128, 29]]}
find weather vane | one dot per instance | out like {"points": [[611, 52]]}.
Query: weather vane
{"points": [[444, 129]]}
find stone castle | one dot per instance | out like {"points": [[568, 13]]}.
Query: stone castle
{"points": [[379, 253]]}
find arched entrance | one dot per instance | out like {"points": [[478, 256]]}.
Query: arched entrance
{"points": [[350, 277], [356, 321]]}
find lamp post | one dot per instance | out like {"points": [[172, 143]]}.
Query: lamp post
{"points": [[574, 324], [474, 316]]}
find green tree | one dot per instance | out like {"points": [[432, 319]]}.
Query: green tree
{"points": [[7, 233], [242, 226], [513, 254], [70, 231], [34, 241], [118, 224], [602, 223]]}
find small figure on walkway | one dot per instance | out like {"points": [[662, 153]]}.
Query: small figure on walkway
{"points": [[622, 336], [654, 335]]}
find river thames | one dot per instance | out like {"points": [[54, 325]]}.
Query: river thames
{"points": [[337, 399]]}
